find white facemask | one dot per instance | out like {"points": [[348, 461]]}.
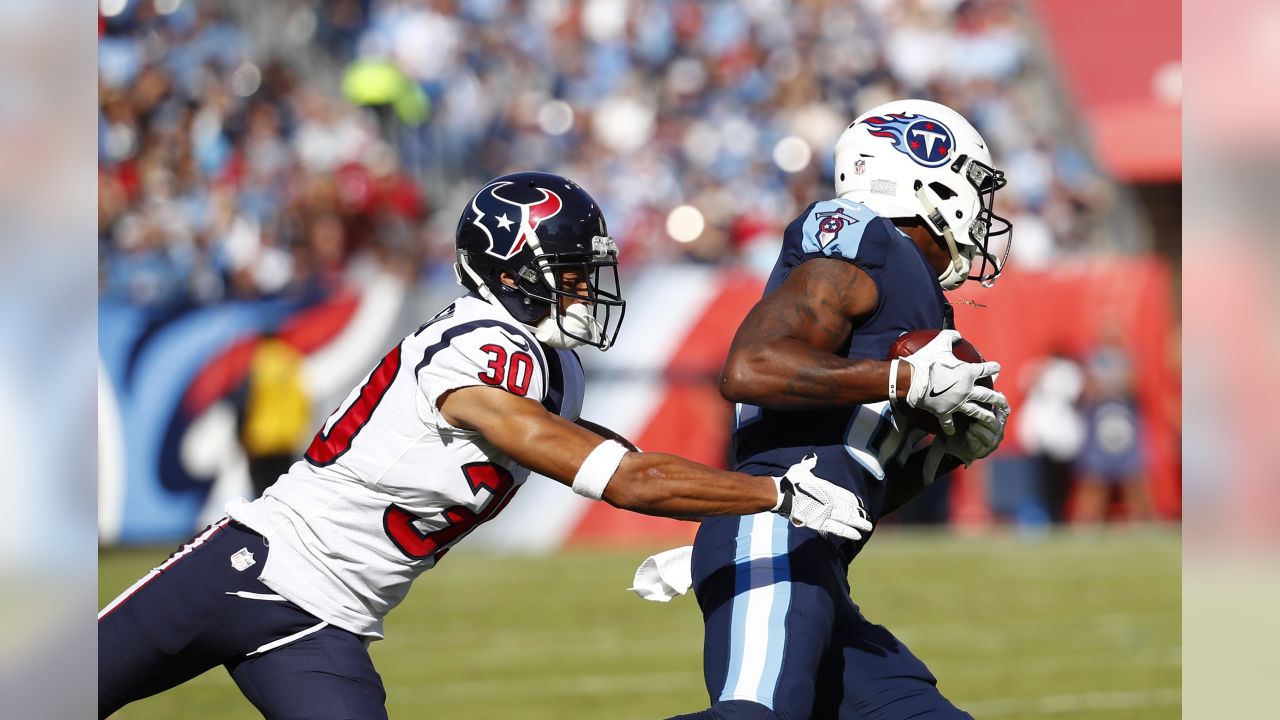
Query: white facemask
{"points": [[577, 320]]}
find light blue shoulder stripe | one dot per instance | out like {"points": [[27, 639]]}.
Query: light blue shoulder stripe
{"points": [[835, 227]]}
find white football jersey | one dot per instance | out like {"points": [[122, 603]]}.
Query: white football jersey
{"points": [[388, 485]]}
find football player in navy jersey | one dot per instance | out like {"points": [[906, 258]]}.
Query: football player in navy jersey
{"points": [[913, 216], [289, 589]]}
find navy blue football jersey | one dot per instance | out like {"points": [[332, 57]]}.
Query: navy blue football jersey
{"points": [[858, 447]]}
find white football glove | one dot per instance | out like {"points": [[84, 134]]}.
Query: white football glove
{"points": [[979, 439], [809, 501], [942, 384]]}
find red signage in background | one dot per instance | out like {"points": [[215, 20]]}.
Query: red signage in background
{"points": [[1131, 101]]}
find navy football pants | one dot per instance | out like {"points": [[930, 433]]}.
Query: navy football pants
{"points": [[197, 611], [783, 639]]}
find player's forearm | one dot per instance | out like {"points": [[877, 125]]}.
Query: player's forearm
{"points": [[661, 484], [788, 374]]}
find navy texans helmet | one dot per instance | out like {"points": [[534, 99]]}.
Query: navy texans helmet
{"points": [[549, 236]]}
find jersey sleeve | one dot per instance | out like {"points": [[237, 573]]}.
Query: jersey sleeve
{"points": [[486, 356], [845, 230]]}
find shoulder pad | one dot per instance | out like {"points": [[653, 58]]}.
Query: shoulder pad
{"points": [[488, 352], [847, 230], [566, 384]]}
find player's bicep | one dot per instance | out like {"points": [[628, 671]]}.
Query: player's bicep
{"points": [[522, 429], [818, 304]]}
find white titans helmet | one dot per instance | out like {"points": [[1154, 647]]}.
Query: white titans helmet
{"points": [[920, 159]]}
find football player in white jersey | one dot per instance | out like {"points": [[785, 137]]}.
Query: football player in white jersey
{"points": [[287, 591]]}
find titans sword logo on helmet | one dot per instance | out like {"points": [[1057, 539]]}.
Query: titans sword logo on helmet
{"points": [[508, 222], [924, 139]]}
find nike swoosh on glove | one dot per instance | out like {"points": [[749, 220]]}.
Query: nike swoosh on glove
{"points": [[809, 501], [942, 384]]}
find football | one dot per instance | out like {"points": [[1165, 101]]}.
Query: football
{"points": [[910, 342]]}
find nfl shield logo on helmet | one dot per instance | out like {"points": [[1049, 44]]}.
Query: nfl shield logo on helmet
{"points": [[923, 139], [509, 223]]}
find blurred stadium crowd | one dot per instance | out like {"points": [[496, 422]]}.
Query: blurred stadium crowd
{"points": [[257, 151], [240, 164]]}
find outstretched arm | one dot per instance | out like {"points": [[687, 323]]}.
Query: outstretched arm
{"points": [[653, 483], [784, 354]]}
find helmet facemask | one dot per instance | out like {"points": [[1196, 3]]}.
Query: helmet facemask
{"points": [[987, 180], [572, 316], [940, 201], [582, 313]]}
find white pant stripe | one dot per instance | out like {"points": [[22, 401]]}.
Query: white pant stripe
{"points": [[258, 596], [286, 640], [186, 550]]}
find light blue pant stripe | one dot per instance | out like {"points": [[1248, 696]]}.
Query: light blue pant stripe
{"points": [[762, 595], [741, 583], [778, 613]]}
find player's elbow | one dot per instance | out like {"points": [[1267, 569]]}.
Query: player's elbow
{"points": [[737, 378], [745, 377]]}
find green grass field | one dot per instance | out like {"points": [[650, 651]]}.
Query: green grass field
{"points": [[1063, 626]]}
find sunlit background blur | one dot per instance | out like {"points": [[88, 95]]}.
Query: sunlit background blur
{"points": [[277, 185]]}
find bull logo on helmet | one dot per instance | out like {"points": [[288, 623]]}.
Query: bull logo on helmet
{"points": [[510, 224], [923, 139]]}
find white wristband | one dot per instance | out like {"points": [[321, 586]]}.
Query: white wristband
{"points": [[893, 379], [598, 469]]}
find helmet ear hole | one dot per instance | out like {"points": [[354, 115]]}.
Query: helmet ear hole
{"points": [[841, 177], [959, 214], [943, 191]]}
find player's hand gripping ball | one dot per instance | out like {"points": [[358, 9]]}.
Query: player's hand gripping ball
{"points": [[911, 342]]}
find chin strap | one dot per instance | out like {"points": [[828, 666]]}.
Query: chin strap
{"points": [[958, 271], [460, 267], [547, 331]]}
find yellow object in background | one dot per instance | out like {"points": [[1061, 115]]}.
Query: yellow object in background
{"points": [[277, 411], [374, 82]]}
